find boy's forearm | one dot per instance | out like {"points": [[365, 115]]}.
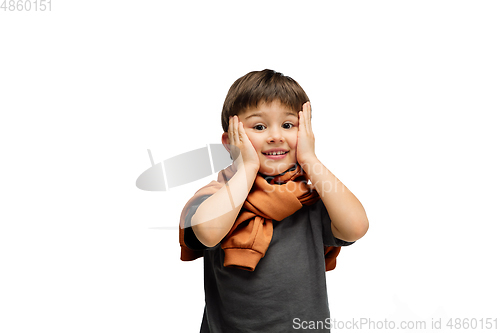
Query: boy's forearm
{"points": [[349, 220], [216, 215]]}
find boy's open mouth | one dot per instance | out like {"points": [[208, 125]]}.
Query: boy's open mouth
{"points": [[276, 154]]}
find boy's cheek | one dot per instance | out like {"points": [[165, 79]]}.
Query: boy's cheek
{"points": [[255, 146]]}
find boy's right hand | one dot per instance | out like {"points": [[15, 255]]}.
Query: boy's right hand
{"points": [[239, 142]]}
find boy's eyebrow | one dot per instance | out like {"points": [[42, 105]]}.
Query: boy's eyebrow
{"points": [[256, 114], [259, 114]]}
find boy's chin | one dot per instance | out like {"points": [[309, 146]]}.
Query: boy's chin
{"points": [[274, 171]]}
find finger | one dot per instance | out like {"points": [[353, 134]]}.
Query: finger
{"points": [[230, 131], [234, 132], [301, 120], [307, 118], [237, 134], [243, 133], [306, 114], [235, 129], [230, 137], [236, 137]]}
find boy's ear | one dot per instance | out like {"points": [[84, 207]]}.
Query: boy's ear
{"points": [[225, 141]]}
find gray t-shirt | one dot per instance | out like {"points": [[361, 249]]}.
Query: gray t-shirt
{"points": [[287, 289]]}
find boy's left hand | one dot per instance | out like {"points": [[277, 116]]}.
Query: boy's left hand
{"points": [[305, 137]]}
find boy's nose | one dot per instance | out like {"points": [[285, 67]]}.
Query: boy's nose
{"points": [[275, 136]]}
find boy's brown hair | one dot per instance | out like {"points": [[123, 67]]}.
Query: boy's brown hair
{"points": [[259, 87]]}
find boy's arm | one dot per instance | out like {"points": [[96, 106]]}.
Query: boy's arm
{"points": [[215, 217], [349, 220]]}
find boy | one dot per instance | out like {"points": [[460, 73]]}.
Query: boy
{"points": [[266, 234]]}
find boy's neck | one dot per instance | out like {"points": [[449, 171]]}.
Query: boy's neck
{"points": [[270, 178]]}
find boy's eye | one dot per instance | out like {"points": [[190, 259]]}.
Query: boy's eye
{"points": [[287, 125], [259, 127]]}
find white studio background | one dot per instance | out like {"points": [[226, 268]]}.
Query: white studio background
{"points": [[405, 103]]}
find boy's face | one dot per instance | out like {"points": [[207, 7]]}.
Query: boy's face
{"points": [[272, 129]]}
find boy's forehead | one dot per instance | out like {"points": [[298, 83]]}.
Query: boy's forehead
{"points": [[267, 108]]}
